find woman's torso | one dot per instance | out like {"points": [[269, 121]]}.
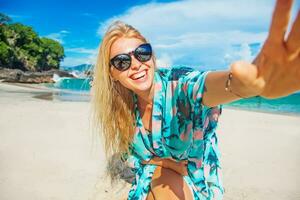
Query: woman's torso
{"points": [[182, 129]]}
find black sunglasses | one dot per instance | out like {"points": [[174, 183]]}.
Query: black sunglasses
{"points": [[122, 61]]}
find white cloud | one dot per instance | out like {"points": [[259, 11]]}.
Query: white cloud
{"points": [[164, 60], [195, 16], [211, 33], [64, 32], [198, 32], [84, 56], [82, 50], [59, 36], [73, 61]]}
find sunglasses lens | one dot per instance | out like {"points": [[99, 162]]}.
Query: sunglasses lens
{"points": [[121, 62], [143, 53]]}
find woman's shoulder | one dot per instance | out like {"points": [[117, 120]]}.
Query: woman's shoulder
{"points": [[176, 72]]}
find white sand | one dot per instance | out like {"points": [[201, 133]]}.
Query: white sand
{"points": [[260, 155], [47, 152]]}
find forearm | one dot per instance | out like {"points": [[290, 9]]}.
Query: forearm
{"points": [[215, 93]]}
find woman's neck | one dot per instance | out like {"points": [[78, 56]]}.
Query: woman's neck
{"points": [[145, 98]]}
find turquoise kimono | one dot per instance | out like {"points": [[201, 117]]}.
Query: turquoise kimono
{"points": [[182, 129]]}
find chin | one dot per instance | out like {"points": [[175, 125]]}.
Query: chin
{"points": [[145, 88], [142, 83]]}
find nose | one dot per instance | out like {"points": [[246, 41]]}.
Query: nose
{"points": [[135, 64]]}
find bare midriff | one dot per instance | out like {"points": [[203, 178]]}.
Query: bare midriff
{"points": [[168, 180]]}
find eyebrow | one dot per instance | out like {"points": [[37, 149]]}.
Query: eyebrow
{"points": [[127, 52]]}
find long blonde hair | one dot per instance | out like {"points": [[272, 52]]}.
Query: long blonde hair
{"points": [[113, 106]]}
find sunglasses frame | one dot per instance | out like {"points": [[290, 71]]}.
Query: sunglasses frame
{"points": [[129, 54]]}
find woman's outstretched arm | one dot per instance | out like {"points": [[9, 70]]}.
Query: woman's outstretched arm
{"points": [[274, 73], [214, 89]]}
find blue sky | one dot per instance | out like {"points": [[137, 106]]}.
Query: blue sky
{"points": [[206, 33]]}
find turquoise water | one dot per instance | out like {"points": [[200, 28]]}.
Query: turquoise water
{"points": [[71, 89], [78, 90], [289, 104], [78, 84]]}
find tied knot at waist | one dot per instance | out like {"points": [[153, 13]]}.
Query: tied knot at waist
{"points": [[179, 167]]}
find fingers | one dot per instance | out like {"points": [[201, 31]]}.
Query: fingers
{"points": [[280, 20], [293, 41], [179, 168]]}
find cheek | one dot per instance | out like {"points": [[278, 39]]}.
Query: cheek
{"points": [[123, 78], [152, 69], [151, 63], [116, 74]]}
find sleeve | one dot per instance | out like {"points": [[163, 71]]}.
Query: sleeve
{"points": [[206, 119], [190, 90], [195, 81], [194, 87], [133, 162], [190, 84]]}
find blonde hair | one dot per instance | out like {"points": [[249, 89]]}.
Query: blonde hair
{"points": [[113, 106]]}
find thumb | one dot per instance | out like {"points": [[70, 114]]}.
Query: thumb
{"points": [[246, 73]]}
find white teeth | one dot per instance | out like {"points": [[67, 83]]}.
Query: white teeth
{"points": [[139, 75]]}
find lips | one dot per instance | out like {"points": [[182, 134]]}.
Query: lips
{"points": [[138, 75]]}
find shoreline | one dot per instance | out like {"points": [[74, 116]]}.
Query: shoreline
{"points": [[41, 87], [52, 93], [264, 111], [40, 91]]}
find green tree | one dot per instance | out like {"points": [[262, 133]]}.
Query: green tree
{"points": [[52, 54], [24, 41], [22, 48], [6, 54]]}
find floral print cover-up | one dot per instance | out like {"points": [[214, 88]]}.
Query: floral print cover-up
{"points": [[182, 129]]}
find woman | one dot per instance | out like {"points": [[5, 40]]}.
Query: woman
{"points": [[164, 120]]}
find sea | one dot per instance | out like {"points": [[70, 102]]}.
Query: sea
{"points": [[78, 89]]}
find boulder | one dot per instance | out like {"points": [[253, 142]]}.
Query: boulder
{"points": [[19, 76]]}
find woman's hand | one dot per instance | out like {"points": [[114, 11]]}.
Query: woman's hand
{"points": [[276, 70]]}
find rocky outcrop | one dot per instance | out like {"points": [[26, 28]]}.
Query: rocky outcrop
{"points": [[19, 76], [118, 169]]}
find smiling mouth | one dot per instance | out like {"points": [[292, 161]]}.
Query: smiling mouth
{"points": [[139, 75]]}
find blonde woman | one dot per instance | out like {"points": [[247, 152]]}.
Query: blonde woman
{"points": [[162, 121]]}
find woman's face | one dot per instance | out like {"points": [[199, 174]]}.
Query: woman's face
{"points": [[139, 76]]}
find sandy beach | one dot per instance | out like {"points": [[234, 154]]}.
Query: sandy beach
{"points": [[48, 152]]}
